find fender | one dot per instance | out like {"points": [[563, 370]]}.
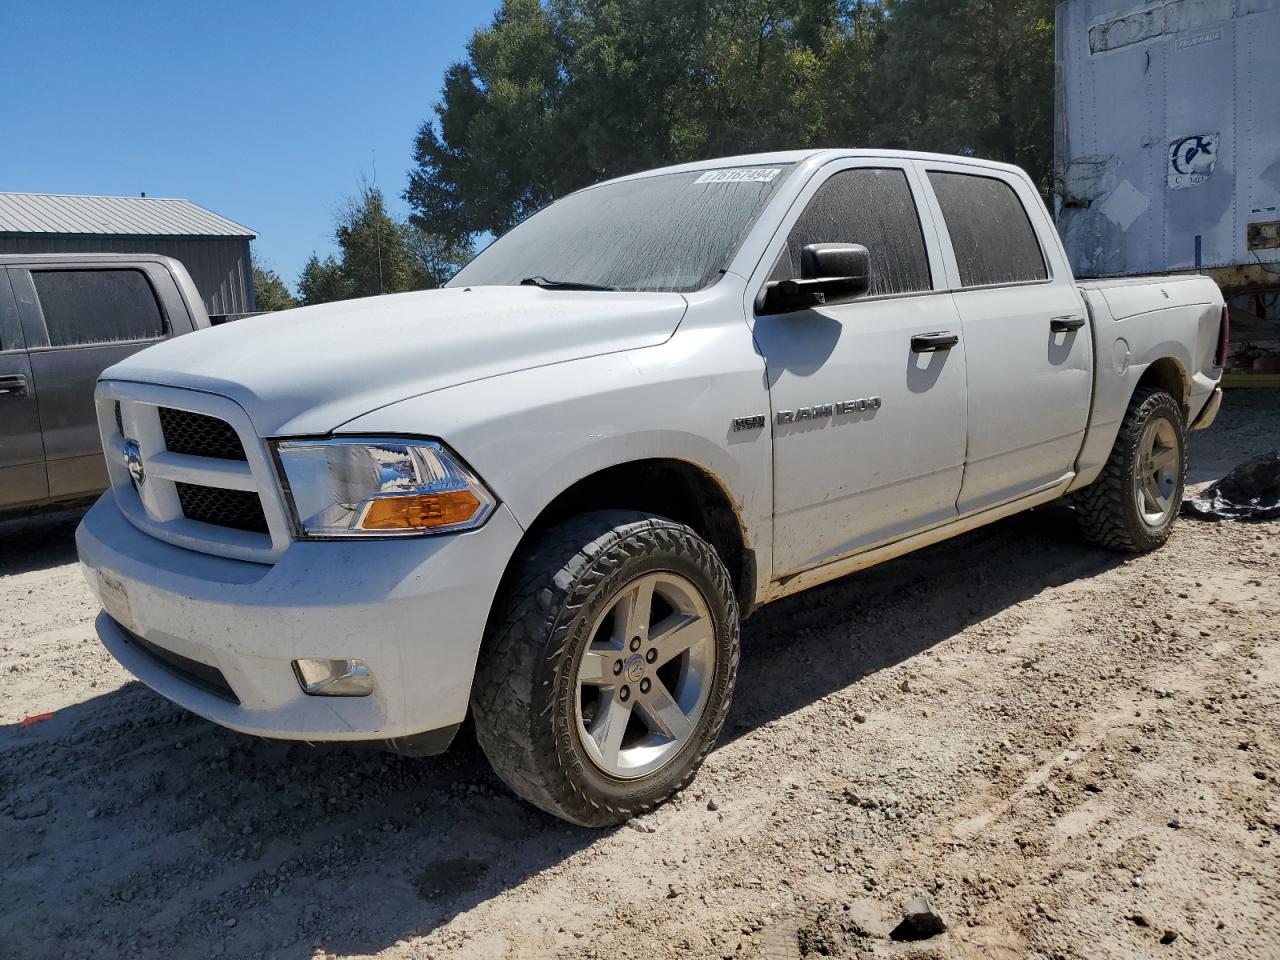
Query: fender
{"points": [[577, 418]]}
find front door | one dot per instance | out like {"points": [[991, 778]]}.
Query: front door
{"points": [[22, 475], [868, 411]]}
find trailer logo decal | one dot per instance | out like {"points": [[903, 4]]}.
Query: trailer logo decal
{"points": [[1192, 159], [1186, 43]]}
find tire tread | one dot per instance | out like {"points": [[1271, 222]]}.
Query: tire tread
{"points": [[514, 685], [1103, 509]]}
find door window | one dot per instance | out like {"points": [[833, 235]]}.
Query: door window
{"points": [[97, 306], [991, 233], [873, 207]]}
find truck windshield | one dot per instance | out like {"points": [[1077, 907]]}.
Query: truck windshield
{"points": [[672, 232]]}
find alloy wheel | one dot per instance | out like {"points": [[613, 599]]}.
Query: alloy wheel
{"points": [[645, 676], [1155, 480]]}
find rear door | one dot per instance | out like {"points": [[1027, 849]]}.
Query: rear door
{"points": [[1028, 355], [79, 320], [22, 474]]}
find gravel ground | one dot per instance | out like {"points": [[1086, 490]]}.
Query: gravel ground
{"points": [[1074, 754]]}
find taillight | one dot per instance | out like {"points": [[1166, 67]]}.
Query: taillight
{"points": [[1224, 339]]}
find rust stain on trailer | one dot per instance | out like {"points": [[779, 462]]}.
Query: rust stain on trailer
{"points": [[1264, 235]]}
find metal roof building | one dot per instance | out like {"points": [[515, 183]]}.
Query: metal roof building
{"points": [[214, 250]]}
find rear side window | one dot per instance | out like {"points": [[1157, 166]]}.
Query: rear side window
{"points": [[990, 231], [872, 207], [97, 306]]}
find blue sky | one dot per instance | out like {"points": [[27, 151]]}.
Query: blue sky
{"points": [[267, 113]]}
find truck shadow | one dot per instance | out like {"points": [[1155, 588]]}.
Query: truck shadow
{"points": [[134, 828], [39, 540], [802, 648]]}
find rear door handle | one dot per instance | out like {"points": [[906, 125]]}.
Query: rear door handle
{"points": [[1066, 324], [933, 342], [15, 386]]}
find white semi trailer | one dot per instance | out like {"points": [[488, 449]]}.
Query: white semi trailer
{"points": [[1168, 151]]}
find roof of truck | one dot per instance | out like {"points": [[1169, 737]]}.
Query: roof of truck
{"points": [[62, 214], [822, 155]]}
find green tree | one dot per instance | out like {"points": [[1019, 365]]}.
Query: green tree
{"points": [[375, 257], [551, 98], [435, 257], [969, 76], [322, 281], [378, 254], [269, 291], [554, 95]]}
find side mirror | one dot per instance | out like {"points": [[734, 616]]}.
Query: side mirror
{"points": [[829, 273]]}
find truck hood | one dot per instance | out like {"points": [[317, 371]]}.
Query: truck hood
{"points": [[309, 370]]}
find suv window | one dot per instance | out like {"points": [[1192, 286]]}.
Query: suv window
{"points": [[872, 207], [990, 231], [97, 306]]}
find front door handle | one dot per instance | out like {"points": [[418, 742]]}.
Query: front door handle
{"points": [[933, 342], [14, 386], [1066, 324]]}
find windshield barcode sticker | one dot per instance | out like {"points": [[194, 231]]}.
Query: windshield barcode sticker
{"points": [[746, 175]]}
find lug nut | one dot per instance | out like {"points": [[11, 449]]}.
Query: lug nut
{"points": [[651, 655], [624, 694], [644, 685], [635, 643], [617, 667]]}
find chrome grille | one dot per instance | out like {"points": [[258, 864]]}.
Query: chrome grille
{"points": [[209, 483], [237, 509], [199, 435]]}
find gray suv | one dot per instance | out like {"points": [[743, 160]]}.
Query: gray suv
{"points": [[64, 318]]}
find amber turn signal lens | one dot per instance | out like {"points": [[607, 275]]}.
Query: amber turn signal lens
{"points": [[420, 511]]}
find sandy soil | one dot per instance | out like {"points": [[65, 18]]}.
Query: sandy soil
{"points": [[1076, 754]]}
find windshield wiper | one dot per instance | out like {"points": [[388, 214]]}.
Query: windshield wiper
{"points": [[546, 284]]}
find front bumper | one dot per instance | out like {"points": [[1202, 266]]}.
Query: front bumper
{"points": [[413, 609]]}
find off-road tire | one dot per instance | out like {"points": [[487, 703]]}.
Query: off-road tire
{"points": [[525, 690], [1107, 510]]}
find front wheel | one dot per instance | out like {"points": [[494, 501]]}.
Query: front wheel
{"points": [[1133, 503], [606, 678]]}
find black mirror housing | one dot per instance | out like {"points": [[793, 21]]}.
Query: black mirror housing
{"points": [[830, 273], [849, 261]]}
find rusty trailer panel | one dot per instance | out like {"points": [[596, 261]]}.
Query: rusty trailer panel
{"points": [[1168, 138]]}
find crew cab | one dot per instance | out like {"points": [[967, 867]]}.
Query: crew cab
{"points": [[64, 318], [548, 493]]}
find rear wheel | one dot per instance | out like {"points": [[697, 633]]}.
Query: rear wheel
{"points": [[607, 680], [1132, 505]]}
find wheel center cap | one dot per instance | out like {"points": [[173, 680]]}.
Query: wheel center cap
{"points": [[635, 667]]}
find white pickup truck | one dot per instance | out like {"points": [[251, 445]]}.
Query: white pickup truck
{"points": [[549, 492]]}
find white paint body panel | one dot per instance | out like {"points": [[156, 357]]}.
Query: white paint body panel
{"points": [[412, 609], [1028, 388], [536, 390], [306, 371]]}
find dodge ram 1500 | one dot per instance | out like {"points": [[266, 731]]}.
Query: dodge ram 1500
{"points": [[549, 492]]}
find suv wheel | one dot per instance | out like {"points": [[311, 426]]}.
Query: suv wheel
{"points": [[1133, 503], [607, 675]]}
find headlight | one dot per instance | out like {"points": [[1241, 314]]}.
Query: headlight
{"points": [[374, 487]]}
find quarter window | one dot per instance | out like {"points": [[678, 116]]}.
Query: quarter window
{"points": [[991, 233], [873, 207], [97, 306]]}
